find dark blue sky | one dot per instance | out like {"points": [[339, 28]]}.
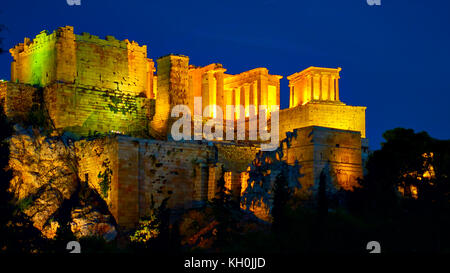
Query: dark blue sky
{"points": [[395, 58]]}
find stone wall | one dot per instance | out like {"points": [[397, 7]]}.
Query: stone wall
{"points": [[85, 60], [113, 64], [143, 171], [84, 110], [146, 171], [173, 89], [97, 164], [17, 99], [337, 152], [331, 115]]}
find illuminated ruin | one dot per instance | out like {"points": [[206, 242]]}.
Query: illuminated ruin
{"points": [[110, 86]]}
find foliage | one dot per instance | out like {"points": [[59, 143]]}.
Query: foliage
{"points": [[25, 203], [268, 172], [148, 229], [36, 117], [226, 212], [124, 103], [153, 226], [105, 179], [402, 163]]}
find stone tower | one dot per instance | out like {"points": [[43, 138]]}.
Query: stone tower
{"points": [[173, 89]]}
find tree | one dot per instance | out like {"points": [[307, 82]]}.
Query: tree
{"points": [[272, 181], [226, 213], [409, 166], [152, 231]]}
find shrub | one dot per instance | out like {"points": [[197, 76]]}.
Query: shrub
{"points": [[148, 229]]}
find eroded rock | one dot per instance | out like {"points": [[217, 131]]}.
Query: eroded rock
{"points": [[45, 176], [87, 222]]}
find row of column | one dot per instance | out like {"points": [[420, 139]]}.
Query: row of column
{"points": [[208, 183], [255, 93], [332, 84], [308, 89], [252, 93], [212, 89]]}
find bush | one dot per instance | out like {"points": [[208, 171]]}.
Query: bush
{"points": [[148, 229]]}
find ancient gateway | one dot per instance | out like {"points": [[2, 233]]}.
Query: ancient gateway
{"points": [[90, 86]]}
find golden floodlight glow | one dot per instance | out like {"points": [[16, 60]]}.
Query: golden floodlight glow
{"points": [[314, 84]]}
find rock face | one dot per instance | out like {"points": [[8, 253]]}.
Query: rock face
{"points": [[44, 176], [86, 221]]}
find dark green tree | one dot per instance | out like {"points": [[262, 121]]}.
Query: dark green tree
{"points": [[272, 181], [226, 213], [405, 193]]}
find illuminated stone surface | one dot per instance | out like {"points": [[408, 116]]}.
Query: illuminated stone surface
{"points": [[317, 148], [88, 84]]}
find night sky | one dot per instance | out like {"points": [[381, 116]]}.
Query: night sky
{"points": [[395, 58]]}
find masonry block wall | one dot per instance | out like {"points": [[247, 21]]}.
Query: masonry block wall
{"points": [[146, 171], [173, 89], [97, 161], [17, 99], [83, 110], [338, 152], [91, 84], [63, 56], [331, 115]]}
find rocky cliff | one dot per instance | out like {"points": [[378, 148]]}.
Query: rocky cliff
{"points": [[45, 178]]}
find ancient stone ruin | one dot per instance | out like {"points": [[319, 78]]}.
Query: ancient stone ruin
{"points": [[107, 97]]}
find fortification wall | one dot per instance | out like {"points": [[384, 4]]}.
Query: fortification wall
{"points": [[337, 152], [113, 64], [173, 89], [331, 115], [145, 171], [98, 167], [35, 61], [84, 110], [85, 60], [17, 99], [142, 171], [49, 57]]}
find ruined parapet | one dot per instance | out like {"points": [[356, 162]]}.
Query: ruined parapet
{"points": [[89, 84], [114, 64], [49, 57], [86, 60]]}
